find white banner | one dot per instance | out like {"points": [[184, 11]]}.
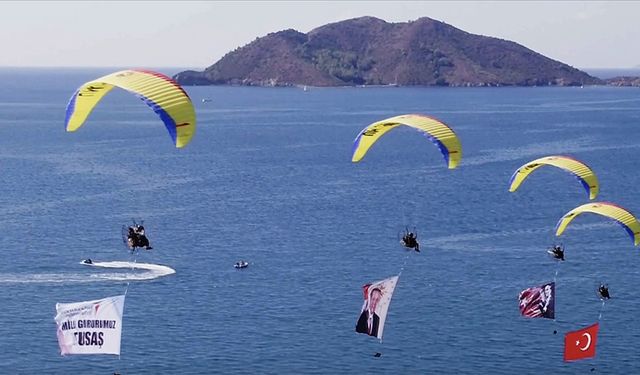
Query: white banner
{"points": [[377, 297], [91, 327]]}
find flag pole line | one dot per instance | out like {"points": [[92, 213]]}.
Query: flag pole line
{"points": [[599, 318], [601, 310], [125, 293], [404, 263]]}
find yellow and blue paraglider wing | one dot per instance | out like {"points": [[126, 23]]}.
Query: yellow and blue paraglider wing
{"points": [[437, 131], [581, 171], [610, 210], [160, 92]]}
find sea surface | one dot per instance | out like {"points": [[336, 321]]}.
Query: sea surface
{"points": [[268, 178]]}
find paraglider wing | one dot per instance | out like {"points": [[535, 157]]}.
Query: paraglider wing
{"points": [[610, 210], [580, 170], [160, 92], [437, 131]]}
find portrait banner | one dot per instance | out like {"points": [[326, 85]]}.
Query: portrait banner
{"points": [[538, 301], [377, 297]]}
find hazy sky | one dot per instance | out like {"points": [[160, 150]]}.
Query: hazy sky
{"points": [[584, 34]]}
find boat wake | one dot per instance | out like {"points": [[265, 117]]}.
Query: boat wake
{"points": [[128, 271]]}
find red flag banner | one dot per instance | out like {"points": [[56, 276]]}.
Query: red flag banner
{"points": [[581, 344]]}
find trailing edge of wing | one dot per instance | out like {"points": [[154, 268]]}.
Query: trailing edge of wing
{"points": [[436, 131]]}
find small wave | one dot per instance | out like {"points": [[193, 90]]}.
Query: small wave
{"points": [[132, 273]]}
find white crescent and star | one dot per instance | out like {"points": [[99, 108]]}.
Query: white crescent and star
{"points": [[584, 348]]}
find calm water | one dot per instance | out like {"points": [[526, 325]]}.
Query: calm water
{"points": [[268, 178]]}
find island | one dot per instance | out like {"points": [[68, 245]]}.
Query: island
{"points": [[368, 51]]}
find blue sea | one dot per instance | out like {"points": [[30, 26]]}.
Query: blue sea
{"points": [[268, 178]]}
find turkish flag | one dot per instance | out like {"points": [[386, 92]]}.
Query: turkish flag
{"points": [[581, 344]]}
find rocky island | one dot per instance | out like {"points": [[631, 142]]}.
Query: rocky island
{"points": [[370, 51]]}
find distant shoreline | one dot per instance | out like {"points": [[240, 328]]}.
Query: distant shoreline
{"points": [[601, 73]]}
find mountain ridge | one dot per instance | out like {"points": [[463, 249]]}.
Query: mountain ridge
{"points": [[371, 51]]}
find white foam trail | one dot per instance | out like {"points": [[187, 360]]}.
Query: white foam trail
{"points": [[152, 271], [473, 241]]}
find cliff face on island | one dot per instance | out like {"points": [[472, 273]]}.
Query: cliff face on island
{"points": [[370, 51]]}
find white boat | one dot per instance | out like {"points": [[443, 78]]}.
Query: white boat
{"points": [[241, 264]]}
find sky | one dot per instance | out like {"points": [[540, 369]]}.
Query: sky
{"points": [[196, 34]]}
